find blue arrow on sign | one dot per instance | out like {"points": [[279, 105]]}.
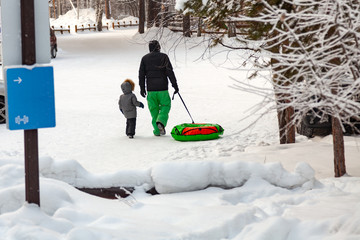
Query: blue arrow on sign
{"points": [[30, 98]]}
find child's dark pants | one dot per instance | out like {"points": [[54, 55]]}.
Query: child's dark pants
{"points": [[130, 126]]}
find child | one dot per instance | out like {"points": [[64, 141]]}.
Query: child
{"points": [[127, 105]]}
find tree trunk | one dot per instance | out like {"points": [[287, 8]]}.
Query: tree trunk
{"points": [[339, 149], [286, 126], [285, 116], [141, 28], [290, 127], [78, 8], [186, 26], [107, 9], [99, 12], [54, 8], [153, 12], [59, 7]]}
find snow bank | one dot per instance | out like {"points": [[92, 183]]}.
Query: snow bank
{"points": [[67, 213], [71, 172], [86, 16], [173, 177], [30, 222]]}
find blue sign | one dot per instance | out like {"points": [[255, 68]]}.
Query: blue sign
{"points": [[30, 98]]}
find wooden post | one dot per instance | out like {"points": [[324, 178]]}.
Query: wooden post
{"points": [[198, 33], [231, 29], [32, 191], [141, 28], [338, 147], [186, 26]]}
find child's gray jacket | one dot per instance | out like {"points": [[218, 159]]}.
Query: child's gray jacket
{"points": [[128, 101]]}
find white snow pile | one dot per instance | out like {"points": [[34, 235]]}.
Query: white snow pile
{"points": [[167, 177], [260, 209], [174, 177]]}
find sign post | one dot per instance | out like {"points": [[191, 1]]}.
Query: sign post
{"points": [[32, 190], [29, 85]]}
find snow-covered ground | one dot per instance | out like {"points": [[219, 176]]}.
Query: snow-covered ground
{"points": [[257, 189]]}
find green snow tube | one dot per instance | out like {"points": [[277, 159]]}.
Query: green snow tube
{"points": [[196, 131]]}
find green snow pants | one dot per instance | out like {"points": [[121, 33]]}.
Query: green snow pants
{"points": [[159, 104]]}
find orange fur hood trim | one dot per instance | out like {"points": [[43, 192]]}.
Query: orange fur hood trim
{"points": [[132, 83]]}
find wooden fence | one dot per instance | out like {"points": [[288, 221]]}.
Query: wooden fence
{"points": [[61, 29], [176, 24], [92, 27], [124, 24]]}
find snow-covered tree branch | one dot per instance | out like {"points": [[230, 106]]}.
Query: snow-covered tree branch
{"points": [[311, 48]]}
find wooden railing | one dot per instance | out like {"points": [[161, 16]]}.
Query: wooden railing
{"points": [[61, 29], [175, 24], [92, 27], [83, 27], [124, 24]]}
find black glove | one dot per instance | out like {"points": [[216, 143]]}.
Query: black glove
{"points": [[176, 90], [141, 105], [143, 92]]}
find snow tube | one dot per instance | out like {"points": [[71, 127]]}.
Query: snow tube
{"points": [[196, 131]]}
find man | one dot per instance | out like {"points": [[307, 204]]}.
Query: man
{"points": [[155, 70]]}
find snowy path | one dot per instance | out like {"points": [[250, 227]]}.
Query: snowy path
{"points": [[90, 129]]}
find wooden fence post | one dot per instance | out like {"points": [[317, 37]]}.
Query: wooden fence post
{"points": [[198, 34], [186, 26], [231, 29]]}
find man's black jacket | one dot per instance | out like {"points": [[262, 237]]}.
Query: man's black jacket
{"points": [[155, 68]]}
